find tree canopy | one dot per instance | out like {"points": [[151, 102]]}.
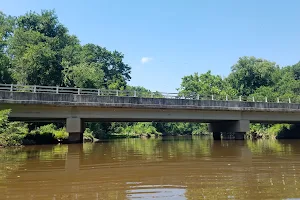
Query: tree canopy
{"points": [[205, 85], [250, 73], [37, 49], [249, 77]]}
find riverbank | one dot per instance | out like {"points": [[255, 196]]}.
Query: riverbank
{"points": [[276, 131]]}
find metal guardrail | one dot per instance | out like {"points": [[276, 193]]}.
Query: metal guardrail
{"points": [[128, 93]]}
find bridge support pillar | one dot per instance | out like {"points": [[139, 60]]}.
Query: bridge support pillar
{"points": [[217, 135], [75, 128], [239, 127]]}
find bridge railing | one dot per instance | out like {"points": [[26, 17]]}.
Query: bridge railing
{"points": [[129, 93]]}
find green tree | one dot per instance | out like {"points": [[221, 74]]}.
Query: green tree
{"points": [[11, 133], [205, 85], [116, 72], [289, 80], [36, 48], [42, 52], [180, 128], [84, 75], [264, 92], [6, 31], [143, 92], [250, 73], [7, 24], [295, 69], [5, 73]]}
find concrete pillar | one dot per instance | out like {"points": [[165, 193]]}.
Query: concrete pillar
{"points": [[239, 135], [75, 128], [217, 135]]}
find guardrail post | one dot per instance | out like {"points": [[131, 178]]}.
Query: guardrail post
{"points": [[277, 100], [134, 93], [151, 94], [212, 97], [57, 89], [117, 92], [198, 96], [78, 91], [34, 89], [226, 97], [240, 98], [98, 92], [11, 87], [266, 99], [253, 99], [289, 100]]}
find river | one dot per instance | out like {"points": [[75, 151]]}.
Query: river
{"points": [[168, 168]]}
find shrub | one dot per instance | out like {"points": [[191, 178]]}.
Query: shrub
{"points": [[61, 134], [139, 129], [11, 133], [17, 133], [88, 135], [287, 131], [11, 139], [47, 134]]}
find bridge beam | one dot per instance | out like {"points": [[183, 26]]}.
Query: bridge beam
{"points": [[75, 128], [239, 128]]}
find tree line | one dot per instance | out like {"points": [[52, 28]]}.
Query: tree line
{"points": [[36, 49]]}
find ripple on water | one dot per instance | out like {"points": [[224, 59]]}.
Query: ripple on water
{"points": [[153, 169], [139, 191]]}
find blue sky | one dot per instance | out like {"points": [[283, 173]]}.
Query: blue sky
{"points": [[164, 40]]}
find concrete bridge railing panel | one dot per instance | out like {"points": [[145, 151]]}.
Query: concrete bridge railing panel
{"points": [[137, 102]]}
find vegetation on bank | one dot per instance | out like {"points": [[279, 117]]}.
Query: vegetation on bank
{"points": [[11, 133], [36, 49], [18, 133], [278, 131], [138, 130]]}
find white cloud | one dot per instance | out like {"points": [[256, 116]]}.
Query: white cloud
{"points": [[145, 60]]}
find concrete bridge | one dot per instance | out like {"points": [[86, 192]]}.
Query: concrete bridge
{"points": [[76, 106]]}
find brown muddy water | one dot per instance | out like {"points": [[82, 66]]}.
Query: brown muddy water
{"points": [[169, 168]]}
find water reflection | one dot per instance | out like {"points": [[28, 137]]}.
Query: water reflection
{"points": [[169, 168], [156, 192]]}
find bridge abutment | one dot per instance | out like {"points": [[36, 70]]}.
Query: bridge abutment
{"points": [[75, 128], [239, 128]]}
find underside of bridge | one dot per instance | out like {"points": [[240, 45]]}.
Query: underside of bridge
{"points": [[221, 122], [237, 128], [75, 127]]}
